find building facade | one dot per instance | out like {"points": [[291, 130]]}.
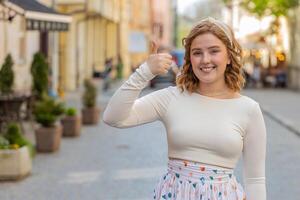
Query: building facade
{"points": [[93, 38], [26, 28], [149, 20], [79, 41]]}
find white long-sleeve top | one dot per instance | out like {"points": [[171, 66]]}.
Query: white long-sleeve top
{"points": [[199, 128]]}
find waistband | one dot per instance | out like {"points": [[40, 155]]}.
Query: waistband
{"points": [[195, 171]]}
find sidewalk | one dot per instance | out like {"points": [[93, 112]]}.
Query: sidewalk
{"points": [[74, 98], [281, 105]]}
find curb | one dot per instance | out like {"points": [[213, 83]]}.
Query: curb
{"points": [[280, 120]]}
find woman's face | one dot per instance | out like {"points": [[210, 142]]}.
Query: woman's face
{"points": [[209, 58]]}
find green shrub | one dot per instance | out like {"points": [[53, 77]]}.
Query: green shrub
{"points": [[7, 75], [4, 143], [39, 72], [14, 137], [120, 70], [90, 94], [71, 112], [47, 111]]}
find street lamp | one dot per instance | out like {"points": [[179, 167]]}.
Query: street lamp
{"points": [[7, 13]]}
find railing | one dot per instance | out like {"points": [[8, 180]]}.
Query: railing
{"points": [[15, 108]]}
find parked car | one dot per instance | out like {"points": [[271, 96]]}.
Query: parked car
{"points": [[178, 56], [170, 77]]}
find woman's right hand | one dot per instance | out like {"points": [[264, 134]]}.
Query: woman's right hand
{"points": [[159, 63]]}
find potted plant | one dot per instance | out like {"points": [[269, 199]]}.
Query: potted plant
{"points": [[7, 76], [48, 135], [71, 123], [15, 154], [90, 111], [39, 72]]}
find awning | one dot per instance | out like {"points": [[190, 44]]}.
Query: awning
{"points": [[39, 16]]}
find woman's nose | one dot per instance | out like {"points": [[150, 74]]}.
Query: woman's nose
{"points": [[206, 58]]}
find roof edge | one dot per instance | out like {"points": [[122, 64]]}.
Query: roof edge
{"points": [[48, 16]]}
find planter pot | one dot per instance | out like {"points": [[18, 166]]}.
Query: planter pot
{"points": [[15, 163], [71, 126], [90, 115], [48, 138]]}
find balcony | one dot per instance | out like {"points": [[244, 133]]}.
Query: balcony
{"points": [[107, 9]]}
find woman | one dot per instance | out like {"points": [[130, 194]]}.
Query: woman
{"points": [[209, 123]]}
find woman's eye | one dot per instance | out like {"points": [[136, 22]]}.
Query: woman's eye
{"points": [[197, 53], [215, 51]]}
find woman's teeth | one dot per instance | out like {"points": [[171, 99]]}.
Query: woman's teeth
{"points": [[207, 69]]}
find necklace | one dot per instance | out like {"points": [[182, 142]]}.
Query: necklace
{"points": [[214, 94]]}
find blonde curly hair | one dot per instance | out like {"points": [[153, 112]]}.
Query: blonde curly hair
{"points": [[234, 78]]}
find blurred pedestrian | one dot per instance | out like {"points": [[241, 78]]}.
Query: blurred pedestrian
{"points": [[256, 74], [119, 68], [209, 123], [281, 78], [107, 73]]}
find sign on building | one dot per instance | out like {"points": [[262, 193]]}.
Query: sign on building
{"points": [[138, 42]]}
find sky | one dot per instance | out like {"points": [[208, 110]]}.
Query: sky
{"points": [[182, 4]]}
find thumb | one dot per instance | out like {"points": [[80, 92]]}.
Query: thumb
{"points": [[154, 47]]}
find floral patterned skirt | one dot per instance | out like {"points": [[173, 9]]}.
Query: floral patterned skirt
{"points": [[186, 180]]}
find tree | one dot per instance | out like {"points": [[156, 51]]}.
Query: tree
{"points": [[39, 71], [7, 75], [262, 8], [269, 7], [276, 8]]}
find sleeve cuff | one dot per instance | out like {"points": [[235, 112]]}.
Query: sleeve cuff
{"points": [[139, 79], [145, 71]]}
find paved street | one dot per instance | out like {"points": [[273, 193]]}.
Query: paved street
{"points": [[121, 164], [281, 105]]}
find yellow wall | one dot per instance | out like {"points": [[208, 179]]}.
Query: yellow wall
{"points": [[62, 77], [101, 43], [139, 20], [111, 40], [73, 54], [99, 51], [108, 9], [92, 41], [89, 48], [123, 35]]}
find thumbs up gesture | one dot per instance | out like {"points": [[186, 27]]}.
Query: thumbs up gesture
{"points": [[159, 63]]}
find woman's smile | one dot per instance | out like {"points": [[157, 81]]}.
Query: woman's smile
{"points": [[207, 69]]}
